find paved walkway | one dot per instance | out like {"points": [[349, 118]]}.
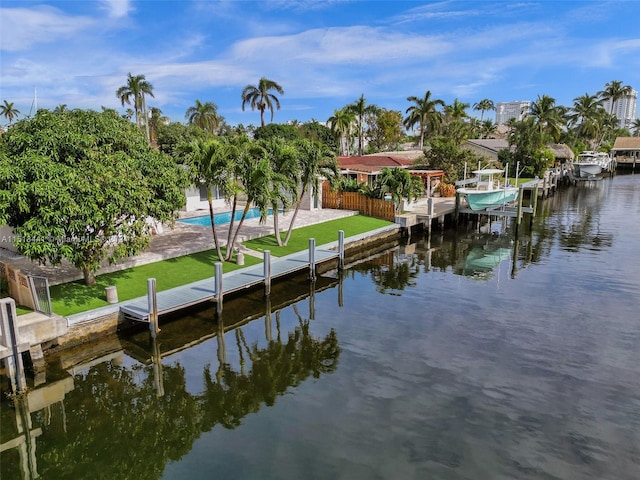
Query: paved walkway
{"points": [[183, 239]]}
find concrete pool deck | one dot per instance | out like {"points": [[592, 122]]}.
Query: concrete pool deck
{"points": [[182, 239]]}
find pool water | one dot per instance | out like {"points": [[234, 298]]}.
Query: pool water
{"points": [[222, 217]]}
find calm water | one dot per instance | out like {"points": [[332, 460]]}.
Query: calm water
{"points": [[442, 359]]}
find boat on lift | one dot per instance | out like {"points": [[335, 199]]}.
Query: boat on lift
{"points": [[488, 192]]}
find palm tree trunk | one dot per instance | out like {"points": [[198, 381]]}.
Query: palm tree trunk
{"points": [[213, 223], [295, 214], [276, 225], [235, 235], [232, 220]]}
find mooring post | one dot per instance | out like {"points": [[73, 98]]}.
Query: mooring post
{"points": [[9, 329], [312, 258], [152, 301], [340, 249], [457, 209], [218, 280], [267, 272]]}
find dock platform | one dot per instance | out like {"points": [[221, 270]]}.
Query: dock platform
{"points": [[205, 290]]}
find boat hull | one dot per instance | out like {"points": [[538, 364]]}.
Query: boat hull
{"points": [[587, 170], [483, 199]]}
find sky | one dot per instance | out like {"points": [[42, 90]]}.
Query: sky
{"points": [[324, 53]]}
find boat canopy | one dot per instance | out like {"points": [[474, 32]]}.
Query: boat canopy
{"points": [[488, 171]]}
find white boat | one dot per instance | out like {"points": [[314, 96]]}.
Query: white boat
{"points": [[488, 192], [589, 164]]}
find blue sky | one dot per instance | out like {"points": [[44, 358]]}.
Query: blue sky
{"points": [[325, 54]]}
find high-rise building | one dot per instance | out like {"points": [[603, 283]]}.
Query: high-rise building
{"points": [[505, 111], [624, 108]]}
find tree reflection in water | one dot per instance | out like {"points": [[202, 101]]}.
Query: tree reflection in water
{"points": [[117, 426]]}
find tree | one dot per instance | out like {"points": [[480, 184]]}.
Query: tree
{"points": [[260, 98], [484, 106], [635, 126], [385, 130], [360, 109], [342, 123], [8, 111], [314, 130], [399, 183], [81, 185], [456, 111], [614, 91], [486, 128], [315, 160], [60, 108], [547, 117], [212, 166], [287, 132], [204, 115], [585, 118], [155, 120], [425, 114], [136, 88]]}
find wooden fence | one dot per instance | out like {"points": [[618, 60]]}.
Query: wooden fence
{"points": [[371, 207]]}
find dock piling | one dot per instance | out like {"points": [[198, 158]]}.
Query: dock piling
{"points": [[9, 329], [152, 300], [218, 280], [267, 272], [340, 249], [312, 258]]}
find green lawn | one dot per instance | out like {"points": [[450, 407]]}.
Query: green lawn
{"points": [[75, 297], [323, 233]]}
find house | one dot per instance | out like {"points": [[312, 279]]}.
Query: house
{"points": [[562, 152], [365, 169], [626, 152], [487, 148]]}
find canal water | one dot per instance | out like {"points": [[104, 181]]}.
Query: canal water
{"points": [[469, 354]]}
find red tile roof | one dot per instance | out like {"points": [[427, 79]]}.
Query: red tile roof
{"points": [[379, 161]]}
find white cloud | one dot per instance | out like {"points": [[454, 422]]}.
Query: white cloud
{"points": [[21, 28], [117, 8]]}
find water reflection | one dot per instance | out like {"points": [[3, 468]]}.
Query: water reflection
{"points": [[130, 410]]}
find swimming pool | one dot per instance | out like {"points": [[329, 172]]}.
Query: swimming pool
{"points": [[222, 217]]}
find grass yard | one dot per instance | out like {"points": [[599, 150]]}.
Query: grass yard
{"points": [[76, 297]]}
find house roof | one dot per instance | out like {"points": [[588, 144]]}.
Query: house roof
{"points": [[561, 150], [491, 144], [627, 143], [379, 161]]}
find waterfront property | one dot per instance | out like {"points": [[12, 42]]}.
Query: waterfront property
{"points": [[626, 152]]}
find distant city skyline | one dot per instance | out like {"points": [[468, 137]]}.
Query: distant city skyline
{"points": [[324, 54]]}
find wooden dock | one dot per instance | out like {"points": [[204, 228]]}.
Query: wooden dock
{"points": [[206, 290]]}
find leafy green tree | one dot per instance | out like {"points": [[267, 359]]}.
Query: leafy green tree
{"points": [[260, 97], [487, 128], [343, 124], [484, 105], [204, 115], [8, 111], [169, 136], [424, 114], [318, 132], [456, 111], [445, 154], [385, 130], [287, 132], [136, 88], [635, 126], [360, 109], [80, 185]]}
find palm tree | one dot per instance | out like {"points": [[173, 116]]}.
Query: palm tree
{"points": [[487, 127], [211, 166], [399, 183], [8, 111], [614, 91], [260, 98], [360, 109], [314, 160], [456, 111], [586, 116], [635, 126], [342, 125], [137, 87], [155, 119], [204, 115], [484, 105], [424, 114], [60, 108], [547, 116]]}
